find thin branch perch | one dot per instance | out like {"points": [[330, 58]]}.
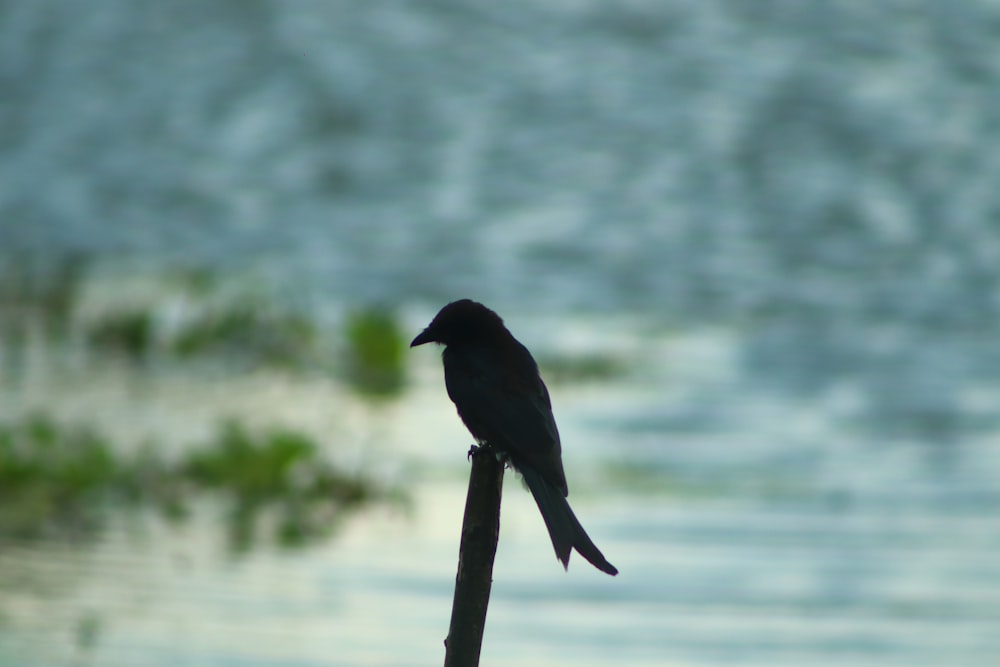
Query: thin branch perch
{"points": [[480, 531]]}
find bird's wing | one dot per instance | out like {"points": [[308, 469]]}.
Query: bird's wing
{"points": [[503, 401]]}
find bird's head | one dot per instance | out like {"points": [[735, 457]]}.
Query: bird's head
{"points": [[461, 321]]}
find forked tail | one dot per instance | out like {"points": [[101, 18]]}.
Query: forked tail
{"points": [[564, 528]]}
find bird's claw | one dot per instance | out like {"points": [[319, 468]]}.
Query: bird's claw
{"points": [[483, 447]]}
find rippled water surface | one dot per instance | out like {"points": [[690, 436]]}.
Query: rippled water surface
{"points": [[780, 221]]}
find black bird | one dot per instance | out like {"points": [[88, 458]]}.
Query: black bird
{"points": [[494, 382]]}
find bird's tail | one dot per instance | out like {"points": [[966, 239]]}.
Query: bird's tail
{"points": [[564, 528]]}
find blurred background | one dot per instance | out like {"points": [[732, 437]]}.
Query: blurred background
{"points": [[755, 248]]}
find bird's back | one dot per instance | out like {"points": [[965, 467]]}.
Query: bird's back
{"points": [[500, 396]]}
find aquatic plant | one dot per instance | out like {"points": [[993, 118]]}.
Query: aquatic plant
{"points": [[53, 478], [581, 367], [374, 353], [279, 476], [58, 479], [249, 328], [198, 315], [129, 332], [42, 289]]}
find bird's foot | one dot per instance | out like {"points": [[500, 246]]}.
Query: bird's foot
{"points": [[483, 447], [503, 459]]}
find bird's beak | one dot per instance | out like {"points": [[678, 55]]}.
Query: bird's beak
{"points": [[425, 336]]}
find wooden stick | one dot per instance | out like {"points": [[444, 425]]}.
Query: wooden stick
{"points": [[480, 531]]}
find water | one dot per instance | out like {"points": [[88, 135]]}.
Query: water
{"points": [[754, 531], [783, 219]]}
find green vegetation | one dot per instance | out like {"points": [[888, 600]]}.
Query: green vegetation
{"points": [[58, 480], [580, 368], [193, 315], [375, 353], [250, 328], [129, 332], [42, 291], [51, 478], [278, 476]]}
